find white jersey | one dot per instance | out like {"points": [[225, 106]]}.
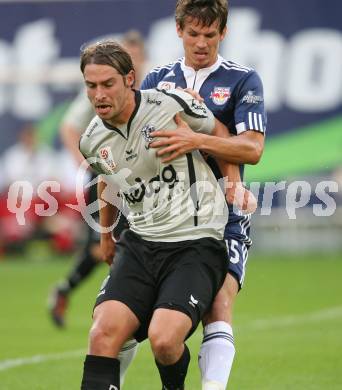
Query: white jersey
{"points": [[174, 201]]}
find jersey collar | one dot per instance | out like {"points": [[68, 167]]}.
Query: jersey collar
{"points": [[195, 79]]}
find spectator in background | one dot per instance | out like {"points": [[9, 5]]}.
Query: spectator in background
{"points": [[73, 124], [36, 168], [28, 162]]}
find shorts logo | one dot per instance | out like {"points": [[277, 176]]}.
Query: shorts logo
{"points": [[193, 302], [107, 158], [166, 85], [103, 286], [220, 95], [112, 387]]}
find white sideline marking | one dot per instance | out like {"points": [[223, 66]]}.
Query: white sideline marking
{"points": [[286, 321], [278, 322], [10, 363]]}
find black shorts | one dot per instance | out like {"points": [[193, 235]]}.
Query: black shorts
{"points": [[147, 275]]}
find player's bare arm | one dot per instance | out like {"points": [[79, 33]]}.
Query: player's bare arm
{"points": [[107, 213], [245, 148], [235, 192]]}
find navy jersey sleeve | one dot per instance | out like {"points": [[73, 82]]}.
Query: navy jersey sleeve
{"points": [[149, 82], [250, 110]]}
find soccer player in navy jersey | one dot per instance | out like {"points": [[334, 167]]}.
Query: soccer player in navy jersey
{"points": [[234, 93]]}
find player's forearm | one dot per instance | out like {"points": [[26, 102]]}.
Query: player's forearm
{"points": [[107, 211], [235, 150], [231, 171]]}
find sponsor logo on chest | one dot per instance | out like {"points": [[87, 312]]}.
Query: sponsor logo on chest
{"points": [[220, 95]]}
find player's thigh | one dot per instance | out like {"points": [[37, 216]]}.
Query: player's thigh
{"points": [[115, 318], [191, 285], [129, 281]]}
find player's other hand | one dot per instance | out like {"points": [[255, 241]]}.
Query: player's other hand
{"points": [[242, 198], [107, 244], [175, 143]]}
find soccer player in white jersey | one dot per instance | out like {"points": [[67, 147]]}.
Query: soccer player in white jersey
{"points": [[170, 264], [74, 122], [234, 94]]}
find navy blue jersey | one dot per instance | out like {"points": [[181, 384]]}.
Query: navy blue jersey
{"points": [[234, 94]]}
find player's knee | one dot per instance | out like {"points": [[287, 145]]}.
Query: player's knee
{"points": [[163, 343], [103, 336]]}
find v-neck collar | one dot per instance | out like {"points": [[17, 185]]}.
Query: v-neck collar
{"points": [[137, 99], [195, 78]]}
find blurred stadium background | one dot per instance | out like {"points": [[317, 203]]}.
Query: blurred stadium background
{"points": [[289, 317]]}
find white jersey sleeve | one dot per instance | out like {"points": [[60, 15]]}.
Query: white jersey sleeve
{"points": [[195, 113]]}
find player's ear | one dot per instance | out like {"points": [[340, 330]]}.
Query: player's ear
{"points": [[179, 30], [130, 78], [223, 33]]}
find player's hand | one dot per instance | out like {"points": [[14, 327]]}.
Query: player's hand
{"points": [[193, 93], [107, 244], [175, 143], [242, 198]]}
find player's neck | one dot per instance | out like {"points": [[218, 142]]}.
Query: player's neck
{"points": [[196, 67]]}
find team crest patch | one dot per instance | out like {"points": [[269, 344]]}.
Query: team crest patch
{"points": [[107, 157], [220, 95], [146, 133], [166, 85]]}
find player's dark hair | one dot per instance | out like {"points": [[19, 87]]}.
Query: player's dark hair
{"points": [[107, 52], [205, 11]]}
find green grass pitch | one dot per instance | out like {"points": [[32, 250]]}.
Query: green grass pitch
{"points": [[288, 328]]}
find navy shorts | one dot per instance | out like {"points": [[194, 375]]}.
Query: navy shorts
{"points": [[238, 243]]}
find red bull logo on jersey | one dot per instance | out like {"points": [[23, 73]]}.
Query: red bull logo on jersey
{"points": [[220, 95]]}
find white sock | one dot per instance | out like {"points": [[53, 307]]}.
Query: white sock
{"points": [[216, 355], [126, 355]]}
